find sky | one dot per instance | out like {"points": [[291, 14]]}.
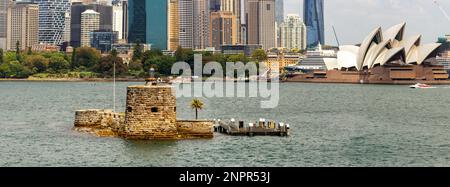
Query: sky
{"points": [[354, 19]]}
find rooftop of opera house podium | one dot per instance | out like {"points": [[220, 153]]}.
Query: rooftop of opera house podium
{"points": [[384, 57]]}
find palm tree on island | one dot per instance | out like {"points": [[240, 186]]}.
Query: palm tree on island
{"points": [[197, 105]]}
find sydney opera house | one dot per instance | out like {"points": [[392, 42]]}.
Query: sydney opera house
{"points": [[383, 57]]}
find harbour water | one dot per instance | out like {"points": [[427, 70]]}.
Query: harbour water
{"points": [[331, 125]]}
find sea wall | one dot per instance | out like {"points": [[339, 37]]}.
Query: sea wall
{"points": [[195, 128], [99, 122]]}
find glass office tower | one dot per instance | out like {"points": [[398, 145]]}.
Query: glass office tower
{"points": [[52, 20], [147, 22], [313, 16]]}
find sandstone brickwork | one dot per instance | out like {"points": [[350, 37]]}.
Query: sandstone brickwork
{"points": [[150, 113]]}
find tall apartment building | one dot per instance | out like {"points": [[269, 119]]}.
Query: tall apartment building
{"points": [[293, 33], [260, 21], [52, 20], [90, 22], [23, 25], [186, 23], [201, 24], [174, 25], [223, 29], [234, 6], [118, 19], [3, 22], [106, 17]]}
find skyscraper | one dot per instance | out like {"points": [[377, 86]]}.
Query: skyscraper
{"points": [[234, 6], [23, 25], [279, 11], [118, 18], [3, 22], [52, 21], [148, 22], [223, 29], [260, 21], [214, 5], [313, 16], [186, 23], [201, 23], [293, 33], [90, 22], [174, 25], [105, 11]]}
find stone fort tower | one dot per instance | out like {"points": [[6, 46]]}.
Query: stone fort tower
{"points": [[150, 112]]}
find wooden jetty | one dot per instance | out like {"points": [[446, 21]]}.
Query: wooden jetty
{"points": [[260, 128]]}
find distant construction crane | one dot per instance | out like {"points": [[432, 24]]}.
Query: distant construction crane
{"points": [[335, 35], [442, 9]]}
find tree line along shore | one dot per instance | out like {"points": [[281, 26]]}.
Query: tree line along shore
{"points": [[88, 64]]}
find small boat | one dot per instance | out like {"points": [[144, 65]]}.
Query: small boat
{"points": [[420, 86]]}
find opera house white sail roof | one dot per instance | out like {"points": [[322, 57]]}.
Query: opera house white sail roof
{"points": [[380, 48]]}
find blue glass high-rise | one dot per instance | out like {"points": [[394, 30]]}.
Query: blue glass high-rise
{"points": [[147, 22], [313, 16]]}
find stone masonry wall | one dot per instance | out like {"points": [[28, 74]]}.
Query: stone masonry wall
{"points": [[195, 128], [150, 113], [99, 122]]}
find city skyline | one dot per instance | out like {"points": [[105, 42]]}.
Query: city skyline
{"points": [[352, 19]]}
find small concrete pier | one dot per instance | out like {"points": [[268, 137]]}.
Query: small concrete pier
{"points": [[260, 128]]}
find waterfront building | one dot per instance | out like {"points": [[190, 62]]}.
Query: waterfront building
{"points": [[201, 24], [382, 57], [103, 40], [293, 33], [186, 23], [52, 20], [444, 59], [313, 16], [277, 62], [234, 6], [223, 29], [44, 47], [3, 22], [315, 59], [90, 22], [260, 20], [148, 22], [118, 18], [106, 18], [174, 25], [247, 50], [23, 25]]}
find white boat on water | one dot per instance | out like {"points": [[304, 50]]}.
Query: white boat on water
{"points": [[181, 80], [420, 86]]}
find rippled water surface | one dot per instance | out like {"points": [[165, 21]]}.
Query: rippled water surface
{"points": [[332, 125]]}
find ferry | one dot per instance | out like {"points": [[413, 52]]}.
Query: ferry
{"points": [[420, 86]]}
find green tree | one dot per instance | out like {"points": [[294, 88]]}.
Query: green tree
{"points": [[37, 63], [135, 66], [18, 55], [259, 55], [237, 58], [196, 104], [184, 55], [138, 50], [1, 56], [106, 66], [14, 69], [73, 60], [58, 64], [30, 52], [87, 57], [114, 53], [10, 56]]}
